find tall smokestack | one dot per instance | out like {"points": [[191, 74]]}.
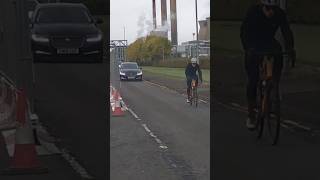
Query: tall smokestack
{"points": [[173, 17], [163, 12], [154, 14]]}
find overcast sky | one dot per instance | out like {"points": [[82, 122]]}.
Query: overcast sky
{"points": [[136, 17]]}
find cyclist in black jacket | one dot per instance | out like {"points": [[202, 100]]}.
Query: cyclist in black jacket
{"points": [[258, 31], [191, 73]]}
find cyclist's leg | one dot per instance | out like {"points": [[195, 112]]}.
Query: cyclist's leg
{"points": [[196, 78], [188, 86], [277, 71], [251, 66]]}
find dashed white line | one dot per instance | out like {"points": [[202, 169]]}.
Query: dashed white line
{"points": [[134, 114], [161, 145], [238, 107], [75, 165], [146, 128]]}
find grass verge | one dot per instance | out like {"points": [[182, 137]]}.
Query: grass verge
{"points": [[176, 73]]}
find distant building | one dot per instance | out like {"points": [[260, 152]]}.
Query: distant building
{"points": [[181, 51], [204, 32], [190, 48]]}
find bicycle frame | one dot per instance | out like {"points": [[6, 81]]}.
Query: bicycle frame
{"points": [[194, 93], [264, 98]]}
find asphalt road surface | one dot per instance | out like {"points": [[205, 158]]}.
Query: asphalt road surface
{"points": [[237, 154], [160, 136], [71, 102]]}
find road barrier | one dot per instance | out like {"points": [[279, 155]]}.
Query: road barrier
{"points": [[118, 107], [7, 105], [15, 114], [25, 159]]}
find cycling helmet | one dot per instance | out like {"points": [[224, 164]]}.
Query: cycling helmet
{"points": [[193, 60], [269, 2]]}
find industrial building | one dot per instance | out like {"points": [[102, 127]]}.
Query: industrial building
{"points": [[189, 48]]}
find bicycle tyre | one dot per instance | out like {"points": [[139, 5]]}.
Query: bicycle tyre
{"points": [[191, 97], [195, 93], [274, 123]]}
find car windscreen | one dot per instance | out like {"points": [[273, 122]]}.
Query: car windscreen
{"points": [[63, 15], [129, 66]]}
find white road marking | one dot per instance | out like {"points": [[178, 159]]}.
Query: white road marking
{"points": [[291, 122], [134, 114], [161, 145], [75, 165], [237, 107], [146, 128]]}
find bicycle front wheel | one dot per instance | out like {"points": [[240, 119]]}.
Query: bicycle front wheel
{"points": [[261, 111], [273, 123], [195, 96]]}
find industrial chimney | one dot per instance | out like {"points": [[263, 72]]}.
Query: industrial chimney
{"points": [[154, 14], [173, 17], [163, 12]]}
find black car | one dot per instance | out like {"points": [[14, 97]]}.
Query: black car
{"points": [[65, 32], [130, 71]]}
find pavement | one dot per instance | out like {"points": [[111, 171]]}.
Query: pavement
{"points": [[160, 136], [237, 154], [71, 105]]}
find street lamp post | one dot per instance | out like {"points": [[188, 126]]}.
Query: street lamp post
{"points": [[197, 44]]}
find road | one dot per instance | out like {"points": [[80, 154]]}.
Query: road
{"points": [[237, 154], [71, 102], [160, 136]]}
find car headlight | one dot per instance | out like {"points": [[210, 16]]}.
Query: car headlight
{"points": [[39, 38], [122, 74], [139, 73], [94, 38]]}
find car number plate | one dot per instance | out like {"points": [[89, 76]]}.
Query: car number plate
{"points": [[68, 51], [131, 77]]}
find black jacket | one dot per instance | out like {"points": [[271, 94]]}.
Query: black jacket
{"points": [[192, 71], [258, 31]]}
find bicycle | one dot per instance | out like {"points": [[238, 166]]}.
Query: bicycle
{"points": [[265, 97], [194, 93]]}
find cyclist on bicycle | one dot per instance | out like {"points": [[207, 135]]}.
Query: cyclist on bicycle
{"points": [[258, 31], [191, 73]]}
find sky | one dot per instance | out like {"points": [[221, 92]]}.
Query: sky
{"points": [[135, 17]]}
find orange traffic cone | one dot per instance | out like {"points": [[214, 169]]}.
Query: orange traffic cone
{"points": [[117, 109], [25, 159]]}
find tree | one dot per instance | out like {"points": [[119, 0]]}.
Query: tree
{"points": [[135, 50], [149, 49]]}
